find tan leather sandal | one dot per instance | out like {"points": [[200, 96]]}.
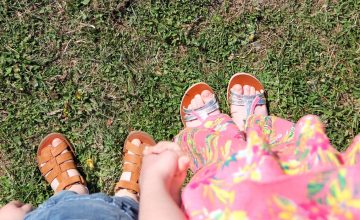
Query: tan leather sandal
{"points": [[132, 162], [56, 163]]}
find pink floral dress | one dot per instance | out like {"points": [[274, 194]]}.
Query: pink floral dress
{"points": [[280, 171]]}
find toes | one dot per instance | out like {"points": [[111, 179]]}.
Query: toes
{"points": [[252, 90], [27, 208], [206, 96], [136, 142], [56, 142], [198, 101], [192, 104], [246, 90], [16, 203], [237, 89]]}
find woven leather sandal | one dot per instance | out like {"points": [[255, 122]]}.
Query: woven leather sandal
{"points": [[199, 113], [132, 162], [56, 163]]}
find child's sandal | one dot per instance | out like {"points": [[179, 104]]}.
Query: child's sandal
{"points": [[248, 101], [56, 163], [132, 162], [201, 113]]}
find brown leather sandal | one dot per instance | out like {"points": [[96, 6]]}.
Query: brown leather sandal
{"points": [[132, 162], [56, 163]]}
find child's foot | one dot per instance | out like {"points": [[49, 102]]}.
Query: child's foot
{"points": [[238, 112], [199, 101], [128, 184], [126, 176], [77, 187]]}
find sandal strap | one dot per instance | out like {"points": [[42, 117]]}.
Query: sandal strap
{"points": [[134, 170], [56, 164], [68, 182], [137, 150], [49, 152], [132, 162], [122, 184], [55, 151], [131, 158], [249, 101], [202, 112], [58, 170], [132, 184]]}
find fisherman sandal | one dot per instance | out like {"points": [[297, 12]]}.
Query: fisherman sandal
{"points": [[132, 160], [54, 164]]}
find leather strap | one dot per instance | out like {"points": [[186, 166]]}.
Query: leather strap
{"points": [[56, 164], [127, 185], [69, 182], [132, 161], [134, 169], [134, 149], [59, 149]]}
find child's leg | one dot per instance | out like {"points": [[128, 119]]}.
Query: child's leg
{"points": [[277, 131], [214, 140], [311, 148], [70, 205], [252, 182], [134, 145], [298, 148], [352, 154]]}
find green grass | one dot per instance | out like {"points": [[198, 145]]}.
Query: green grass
{"points": [[75, 66]]}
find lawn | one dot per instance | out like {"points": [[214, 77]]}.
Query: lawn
{"points": [[97, 69]]}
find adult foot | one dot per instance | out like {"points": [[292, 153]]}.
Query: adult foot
{"points": [[78, 188], [238, 112], [199, 101]]}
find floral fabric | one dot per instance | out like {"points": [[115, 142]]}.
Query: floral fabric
{"points": [[281, 170]]}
